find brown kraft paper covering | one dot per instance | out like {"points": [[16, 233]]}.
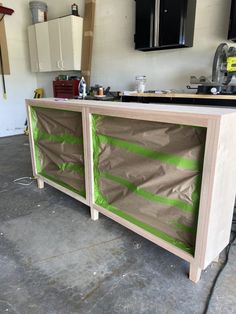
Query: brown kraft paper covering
{"points": [[54, 153], [154, 176]]}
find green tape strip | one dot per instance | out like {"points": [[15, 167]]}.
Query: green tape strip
{"points": [[160, 234], [101, 201], [147, 195], [183, 227], [179, 162], [61, 138], [35, 138], [65, 185], [96, 151], [72, 167]]}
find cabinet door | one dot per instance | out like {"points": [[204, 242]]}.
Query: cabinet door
{"points": [[55, 45], [33, 49], [145, 18], [43, 46], [172, 18], [71, 30]]}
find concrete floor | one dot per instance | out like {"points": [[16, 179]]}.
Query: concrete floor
{"points": [[55, 260]]}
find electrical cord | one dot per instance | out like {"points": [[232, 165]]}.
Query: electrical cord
{"points": [[227, 251], [18, 181]]}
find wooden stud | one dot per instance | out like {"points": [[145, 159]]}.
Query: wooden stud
{"points": [[87, 50]]}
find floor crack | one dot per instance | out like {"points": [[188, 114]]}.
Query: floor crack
{"points": [[77, 250]]}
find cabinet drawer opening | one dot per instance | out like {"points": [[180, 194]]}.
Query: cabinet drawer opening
{"points": [[149, 173], [58, 143]]}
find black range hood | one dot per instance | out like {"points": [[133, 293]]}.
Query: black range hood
{"points": [[164, 24]]}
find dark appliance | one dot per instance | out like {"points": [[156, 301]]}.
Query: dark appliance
{"points": [[232, 22], [164, 24]]}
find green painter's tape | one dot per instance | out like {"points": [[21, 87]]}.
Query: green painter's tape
{"points": [[96, 145], [35, 138], [72, 167], [183, 227], [61, 138], [147, 195], [65, 185], [101, 200], [160, 234], [179, 162]]}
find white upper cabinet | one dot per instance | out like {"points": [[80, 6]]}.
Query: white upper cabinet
{"points": [[43, 47], [56, 45]]}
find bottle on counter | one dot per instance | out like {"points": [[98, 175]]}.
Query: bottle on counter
{"points": [[82, 88]]}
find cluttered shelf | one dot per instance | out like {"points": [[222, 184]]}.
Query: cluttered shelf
{"points": [[179, 98]]}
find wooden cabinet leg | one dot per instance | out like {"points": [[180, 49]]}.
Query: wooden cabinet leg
{"points": [[195, 272], [40, 183], [94, 214]]}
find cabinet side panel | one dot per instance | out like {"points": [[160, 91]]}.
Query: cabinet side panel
{"points": [[221, 188]]}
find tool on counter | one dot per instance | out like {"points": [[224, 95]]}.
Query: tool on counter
{"points": [[223, 71]]}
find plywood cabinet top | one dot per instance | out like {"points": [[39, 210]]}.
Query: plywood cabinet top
{"points": [[203, 111]]}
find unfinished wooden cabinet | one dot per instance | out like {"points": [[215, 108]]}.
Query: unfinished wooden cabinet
{"points": [[165, 172], [56, 45]]}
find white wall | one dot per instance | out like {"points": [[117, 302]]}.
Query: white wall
{"points": [[21, 82], [116, 63]]}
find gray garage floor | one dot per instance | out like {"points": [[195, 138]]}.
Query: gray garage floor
{"points": [[54, 259]]}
